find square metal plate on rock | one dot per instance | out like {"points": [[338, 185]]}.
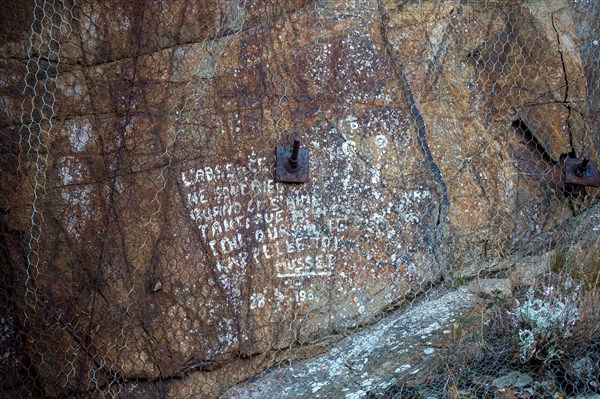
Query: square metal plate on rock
{"points": [[292, 164]]}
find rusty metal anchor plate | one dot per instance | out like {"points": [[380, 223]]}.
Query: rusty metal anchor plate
{"points": [[582, 172], [284, 172]]}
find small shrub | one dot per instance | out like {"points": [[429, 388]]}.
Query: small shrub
{"points": [[545, 319]]}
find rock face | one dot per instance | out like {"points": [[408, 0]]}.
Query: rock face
{"points": [[144, 155], [414, 345]]}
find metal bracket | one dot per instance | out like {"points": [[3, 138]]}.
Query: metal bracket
{"points": [[582, 172], [291, 164]]}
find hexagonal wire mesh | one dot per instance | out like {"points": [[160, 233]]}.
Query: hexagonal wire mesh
{"points": [[441, 247]]}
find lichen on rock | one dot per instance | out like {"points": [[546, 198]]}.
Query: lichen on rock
{"points": [[436, 132]]}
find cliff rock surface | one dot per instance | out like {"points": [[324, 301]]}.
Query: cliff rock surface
{"points": [[138, 172]]}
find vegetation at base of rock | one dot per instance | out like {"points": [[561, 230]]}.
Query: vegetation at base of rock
{"points": [[585, 269], [545, 318], [459, 280], [544, 342]]}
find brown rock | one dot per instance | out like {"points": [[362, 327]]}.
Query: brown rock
{"points": [[164, 246]]}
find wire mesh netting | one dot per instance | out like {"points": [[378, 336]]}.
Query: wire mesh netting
{"points": [[445, 244]]}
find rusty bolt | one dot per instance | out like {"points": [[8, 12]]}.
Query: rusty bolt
{"points": [[582, 168], [292, 163], [294, 157], [582, 172]]}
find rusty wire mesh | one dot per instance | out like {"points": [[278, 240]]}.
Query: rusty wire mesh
{"points": [[148, 252]]}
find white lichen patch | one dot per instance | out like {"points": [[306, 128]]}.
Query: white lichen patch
{"points": [[316, 386], [70, 170], [70, 85], [403, 368], [6, 104], [76, 195], [79, 135]]}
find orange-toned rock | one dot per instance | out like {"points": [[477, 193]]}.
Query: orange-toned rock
{"points": [[163, 246]]}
